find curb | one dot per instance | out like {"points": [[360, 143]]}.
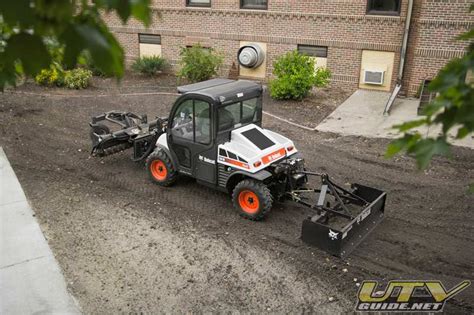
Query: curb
{"points": [[31, 281]]}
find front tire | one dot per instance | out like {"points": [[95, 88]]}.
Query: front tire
{"points": [[160, 168], [252, 199]]}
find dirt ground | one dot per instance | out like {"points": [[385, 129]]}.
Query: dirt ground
{"points": [[311, 110], [126, 245]]}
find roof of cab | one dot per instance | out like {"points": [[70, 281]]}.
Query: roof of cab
{"points": [[223, 91]]}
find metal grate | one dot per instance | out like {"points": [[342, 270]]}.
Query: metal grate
{"points": [[223, 175]]}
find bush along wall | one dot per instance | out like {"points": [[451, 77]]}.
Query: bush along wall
{"points": [[296, 76], [150, 65]]}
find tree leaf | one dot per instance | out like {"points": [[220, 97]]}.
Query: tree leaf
{"points": [[425, 149], [30, 50], [462, 132], [400, 144], [394, 147], [17, 12], [139, 9], [101, 44], [54, 10], [411, 124], [8, 73]]}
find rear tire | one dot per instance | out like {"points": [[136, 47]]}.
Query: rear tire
{"points": [[252, 199], [160, 168]]}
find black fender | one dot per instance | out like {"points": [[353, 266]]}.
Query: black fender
{"points": [[168, 152], [260, 176]]}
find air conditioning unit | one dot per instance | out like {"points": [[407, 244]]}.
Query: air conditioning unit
{"points": [[375, 77]]}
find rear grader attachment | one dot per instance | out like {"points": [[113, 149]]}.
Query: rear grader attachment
{"points": [[343, 217]]}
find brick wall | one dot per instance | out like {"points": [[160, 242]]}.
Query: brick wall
{"points": [[435, 26], [342, 25]]}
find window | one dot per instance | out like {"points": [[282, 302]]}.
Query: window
{"points": [[192, 122], [202, 132], [313, 51], [149, 39], [254, 4], [318, 53], [198, 3], [204, 49], [384, 7], [238, 114], [150, 45]]}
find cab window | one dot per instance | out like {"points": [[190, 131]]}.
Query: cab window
{"points": [[192, 121], [202, 122], [239, 114]]}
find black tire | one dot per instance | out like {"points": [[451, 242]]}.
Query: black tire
{"points": [[243, 197], [159, 160], [98, 129]]}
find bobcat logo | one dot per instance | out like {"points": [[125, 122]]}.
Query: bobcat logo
{"points": [[207, 160], [333, 235]]}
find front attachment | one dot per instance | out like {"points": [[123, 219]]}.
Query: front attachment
{"points": [[134, 131], [344, 217]]}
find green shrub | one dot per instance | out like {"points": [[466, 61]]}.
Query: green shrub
{"points": [[149, 65], [53, 76], [296, 76], [199, 64], [58, 75], [77, 78]]}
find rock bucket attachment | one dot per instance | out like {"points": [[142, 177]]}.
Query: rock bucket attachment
{"points": [[344, 217], [134, 131]]}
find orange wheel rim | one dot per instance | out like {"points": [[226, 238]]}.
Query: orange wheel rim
{"points": [[249, 202], [158, 170]]}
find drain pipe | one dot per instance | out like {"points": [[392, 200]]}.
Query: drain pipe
{"points": [[403, 54]]}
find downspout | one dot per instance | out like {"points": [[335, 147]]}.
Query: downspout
{"points": [[403, 54]]}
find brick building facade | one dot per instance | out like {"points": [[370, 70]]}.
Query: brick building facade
{"points": [[352, 35]]}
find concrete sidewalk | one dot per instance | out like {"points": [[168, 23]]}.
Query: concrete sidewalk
{"points": [[30, 278], [362, 115]]}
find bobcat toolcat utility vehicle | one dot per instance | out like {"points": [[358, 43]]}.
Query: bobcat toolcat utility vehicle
{"points": [[214, 134]]}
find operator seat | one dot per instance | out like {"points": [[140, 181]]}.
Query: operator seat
{"points": [[226, 120]]}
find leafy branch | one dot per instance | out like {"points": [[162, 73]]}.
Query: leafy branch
{"points": [[452, 110], [77, 25]]}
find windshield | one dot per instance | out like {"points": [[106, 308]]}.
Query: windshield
{"points": [[240, 113]]}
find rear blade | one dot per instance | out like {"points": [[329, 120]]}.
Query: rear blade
{"points": [[341, 240]]}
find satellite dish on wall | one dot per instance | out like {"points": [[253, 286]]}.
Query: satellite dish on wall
{"points": [[251, 56]]}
